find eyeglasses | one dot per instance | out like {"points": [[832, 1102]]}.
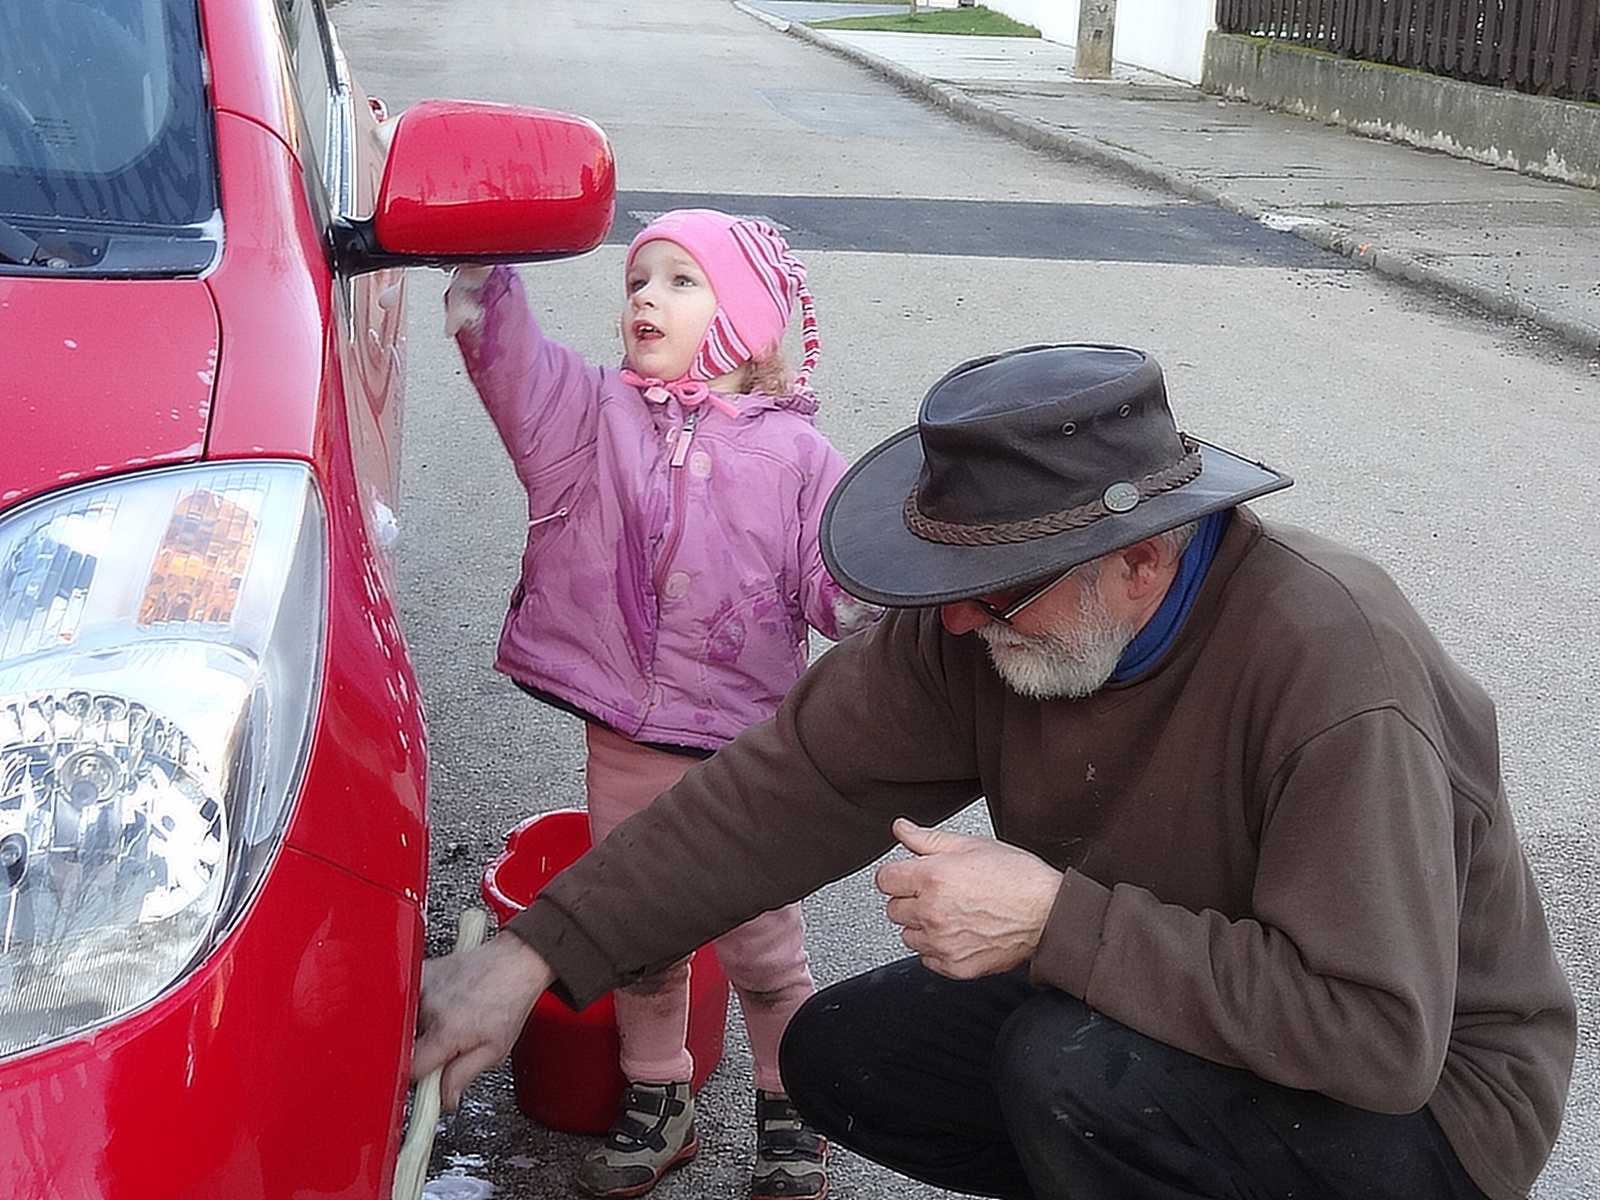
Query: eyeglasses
{"points": [[1005, 615]]}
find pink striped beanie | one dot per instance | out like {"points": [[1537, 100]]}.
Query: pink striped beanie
{"points": [[757, 280]]}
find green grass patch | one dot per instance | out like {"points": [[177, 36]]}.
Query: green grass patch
{"points": [[975, 20]]}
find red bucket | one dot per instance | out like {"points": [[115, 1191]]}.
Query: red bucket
{"points": [[564, 1066]]}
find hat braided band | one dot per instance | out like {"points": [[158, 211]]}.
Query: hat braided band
{"points": [[1077, 517]]}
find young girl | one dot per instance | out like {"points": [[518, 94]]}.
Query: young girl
{"points": [[671, 570]]}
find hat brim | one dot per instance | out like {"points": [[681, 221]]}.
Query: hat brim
{"points": [[871, 553]]}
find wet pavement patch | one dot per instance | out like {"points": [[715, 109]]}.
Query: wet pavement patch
{"points": [[1188, 234]]}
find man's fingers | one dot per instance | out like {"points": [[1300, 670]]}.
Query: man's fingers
{"points": [[460, 1072], [452, 1085], [429, 1054], [460, 1065], [897, 879], [919, 839], [425, 1057], [902, 911]]}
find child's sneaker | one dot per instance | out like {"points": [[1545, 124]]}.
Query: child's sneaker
{"points": [[654, 1133], [791, 1157]]}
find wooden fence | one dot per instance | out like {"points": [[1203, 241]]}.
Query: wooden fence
{"points": [[1544, 47]]}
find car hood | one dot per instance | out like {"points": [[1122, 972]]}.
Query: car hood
{"points": [[101, 376]]}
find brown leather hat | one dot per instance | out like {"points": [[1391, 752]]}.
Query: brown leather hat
{"points": [[1020, 466]]}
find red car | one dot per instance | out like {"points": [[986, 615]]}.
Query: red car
{"points": [[213, 840]]}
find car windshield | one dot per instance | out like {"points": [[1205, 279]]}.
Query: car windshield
{"points": [[103, 116]]}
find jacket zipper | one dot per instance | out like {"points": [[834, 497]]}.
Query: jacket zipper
{"points": [[680, 452]]}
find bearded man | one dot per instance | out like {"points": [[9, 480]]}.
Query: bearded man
{"points": [[1255, 919]]}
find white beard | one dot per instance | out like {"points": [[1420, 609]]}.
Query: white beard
{"points": [[1059, 663]]}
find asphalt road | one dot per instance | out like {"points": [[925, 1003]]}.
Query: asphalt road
{"points": [[1456, 450]]}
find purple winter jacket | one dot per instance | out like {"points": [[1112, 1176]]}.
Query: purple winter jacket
{"points": [[669, 602]]}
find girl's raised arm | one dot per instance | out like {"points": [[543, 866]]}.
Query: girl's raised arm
{"points": [[540, 394]]}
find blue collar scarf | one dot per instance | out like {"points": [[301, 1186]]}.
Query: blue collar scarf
{"points": [[1159, 632]]}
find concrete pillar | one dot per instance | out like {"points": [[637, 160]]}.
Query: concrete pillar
{"points": [[1097, 26]]}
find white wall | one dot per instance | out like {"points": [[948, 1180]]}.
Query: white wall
{"points": [[1168, 36], [1056, 20]]}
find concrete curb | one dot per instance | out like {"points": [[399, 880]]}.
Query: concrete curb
{"points": [[1041, 135]]}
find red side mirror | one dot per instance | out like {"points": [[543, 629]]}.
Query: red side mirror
{"points": [[466, 178]]}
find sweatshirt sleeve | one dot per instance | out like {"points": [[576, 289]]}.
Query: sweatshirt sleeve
{"points": [[828, 608], [1343, 979], [791, 804], [540, 394]]}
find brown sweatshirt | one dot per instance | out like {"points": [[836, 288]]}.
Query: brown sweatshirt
{"points": [[1286, 845]]}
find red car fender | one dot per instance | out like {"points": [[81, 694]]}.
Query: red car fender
{"points": [[179, 1102]]}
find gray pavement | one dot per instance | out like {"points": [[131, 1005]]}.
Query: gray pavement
{"points": [[1516, 245]]}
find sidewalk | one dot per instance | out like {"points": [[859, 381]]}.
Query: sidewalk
{"points": [[1515, 245]]}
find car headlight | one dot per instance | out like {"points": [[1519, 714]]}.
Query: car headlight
{"points": [[160, 656]]}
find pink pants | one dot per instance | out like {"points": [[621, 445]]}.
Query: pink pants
{"points": [[764, 959]]}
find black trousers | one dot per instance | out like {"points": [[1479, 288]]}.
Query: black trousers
{"points": [[995, 1087]]}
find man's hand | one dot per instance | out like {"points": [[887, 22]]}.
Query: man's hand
{"points": [[472, 1008], [969, 906]]}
